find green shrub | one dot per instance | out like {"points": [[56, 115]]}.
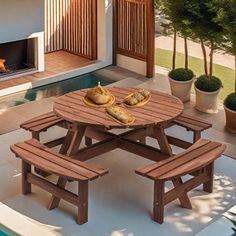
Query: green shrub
{"points": [[181, 74], [205, 84], [230, 101]]}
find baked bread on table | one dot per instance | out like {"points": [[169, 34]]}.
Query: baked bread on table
{"points": [[137, 97], [120, 114], [99, 95]]}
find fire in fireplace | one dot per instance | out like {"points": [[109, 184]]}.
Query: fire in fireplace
{"points": [[2, 65], [17, 57]]}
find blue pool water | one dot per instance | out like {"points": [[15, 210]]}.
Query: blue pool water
{"points": [[3, 234], [55, 89], [7, 232]]}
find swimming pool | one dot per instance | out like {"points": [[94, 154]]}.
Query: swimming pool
{"points": [[51, 90], [7, 232]]}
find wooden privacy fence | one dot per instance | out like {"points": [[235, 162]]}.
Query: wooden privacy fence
{"points": [[133, 30], [71, 25]]}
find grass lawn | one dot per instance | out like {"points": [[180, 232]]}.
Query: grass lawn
{"points": [[164, 58]]}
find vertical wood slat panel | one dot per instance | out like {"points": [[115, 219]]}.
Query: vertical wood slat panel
{"points": [[131, 28], [71, 25]]}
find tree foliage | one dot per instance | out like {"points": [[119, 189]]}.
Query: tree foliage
{"points": [[226, 17]]}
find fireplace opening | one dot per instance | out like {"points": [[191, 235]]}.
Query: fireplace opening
{"points": [[17, 57]]}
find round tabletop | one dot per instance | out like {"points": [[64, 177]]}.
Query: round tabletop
{"points": [[161, 108]]}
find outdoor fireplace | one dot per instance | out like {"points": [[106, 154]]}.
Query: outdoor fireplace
{"points": [[17, 57]]}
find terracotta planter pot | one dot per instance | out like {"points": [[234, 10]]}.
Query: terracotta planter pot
{"points": [[181, 89], [230, 116], [207, 101]]}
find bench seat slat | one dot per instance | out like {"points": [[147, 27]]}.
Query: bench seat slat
{"points": [[46, 126], [42, 122], [193, 119], [151, 167], [88, 166], [195, 164], [192, 123], [196, 157], [46, 165], [182, 160], [44, 158], [40, 117], [59, 161]]}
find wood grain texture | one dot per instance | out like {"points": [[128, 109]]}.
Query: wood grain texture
{"points": [[71, 25], [197, 160], [201, 154], [42, 157], [42, 122], [134, 31], [192, 123], [161, 109]]}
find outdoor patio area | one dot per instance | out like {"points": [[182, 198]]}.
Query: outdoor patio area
{"points": [[118, 118], [121, 209]]}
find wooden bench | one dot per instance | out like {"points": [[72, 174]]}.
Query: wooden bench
{"points": [[192, 123], [33, 153], [41, 123], [197, 160]]}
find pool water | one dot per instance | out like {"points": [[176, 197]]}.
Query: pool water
{"points": [[7, 232], [3, 234], [51, 90]]}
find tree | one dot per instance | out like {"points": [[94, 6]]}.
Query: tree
{"points": [[199, 16], [226, 17], [175, 12], [157, 4]]}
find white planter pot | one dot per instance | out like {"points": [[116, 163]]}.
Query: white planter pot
{"points": [[207, 101], [181, 89], [230, 116]]}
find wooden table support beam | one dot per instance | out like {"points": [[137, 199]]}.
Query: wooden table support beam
{"points": [[96, 149], [143, 150], [185, 187], [53, 189]]}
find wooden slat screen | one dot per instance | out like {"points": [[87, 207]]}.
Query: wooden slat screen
{"points": [[134, 31], [131, 28], [71, 25]]}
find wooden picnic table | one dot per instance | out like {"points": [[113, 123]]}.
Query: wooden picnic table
{"points": [[93, 122], [85, 121]]}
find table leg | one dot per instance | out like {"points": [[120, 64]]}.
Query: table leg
{"points": [[159, 134], [70, 147]]}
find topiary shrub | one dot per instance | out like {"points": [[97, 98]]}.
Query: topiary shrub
{"points": [[205, 84], [230, 101], [181, 74]]}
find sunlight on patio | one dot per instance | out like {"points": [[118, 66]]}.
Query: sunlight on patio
{"points": [[119, 129]]}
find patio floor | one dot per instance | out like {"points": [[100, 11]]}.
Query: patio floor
{"points": [[55, 64], [120, 203]]}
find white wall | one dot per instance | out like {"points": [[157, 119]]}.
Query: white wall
{"points": [[105, 31], [132, 64], [20, 18]]}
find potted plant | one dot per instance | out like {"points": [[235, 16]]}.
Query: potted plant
{"points": [[207, 90], [230, 112], [181, 81]]}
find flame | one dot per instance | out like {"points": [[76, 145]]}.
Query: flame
{"points": [[2, 65]]}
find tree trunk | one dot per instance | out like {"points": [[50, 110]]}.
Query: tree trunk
{"points": [[204, 57], [186, 52], [174, 51], [211, 61]]}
